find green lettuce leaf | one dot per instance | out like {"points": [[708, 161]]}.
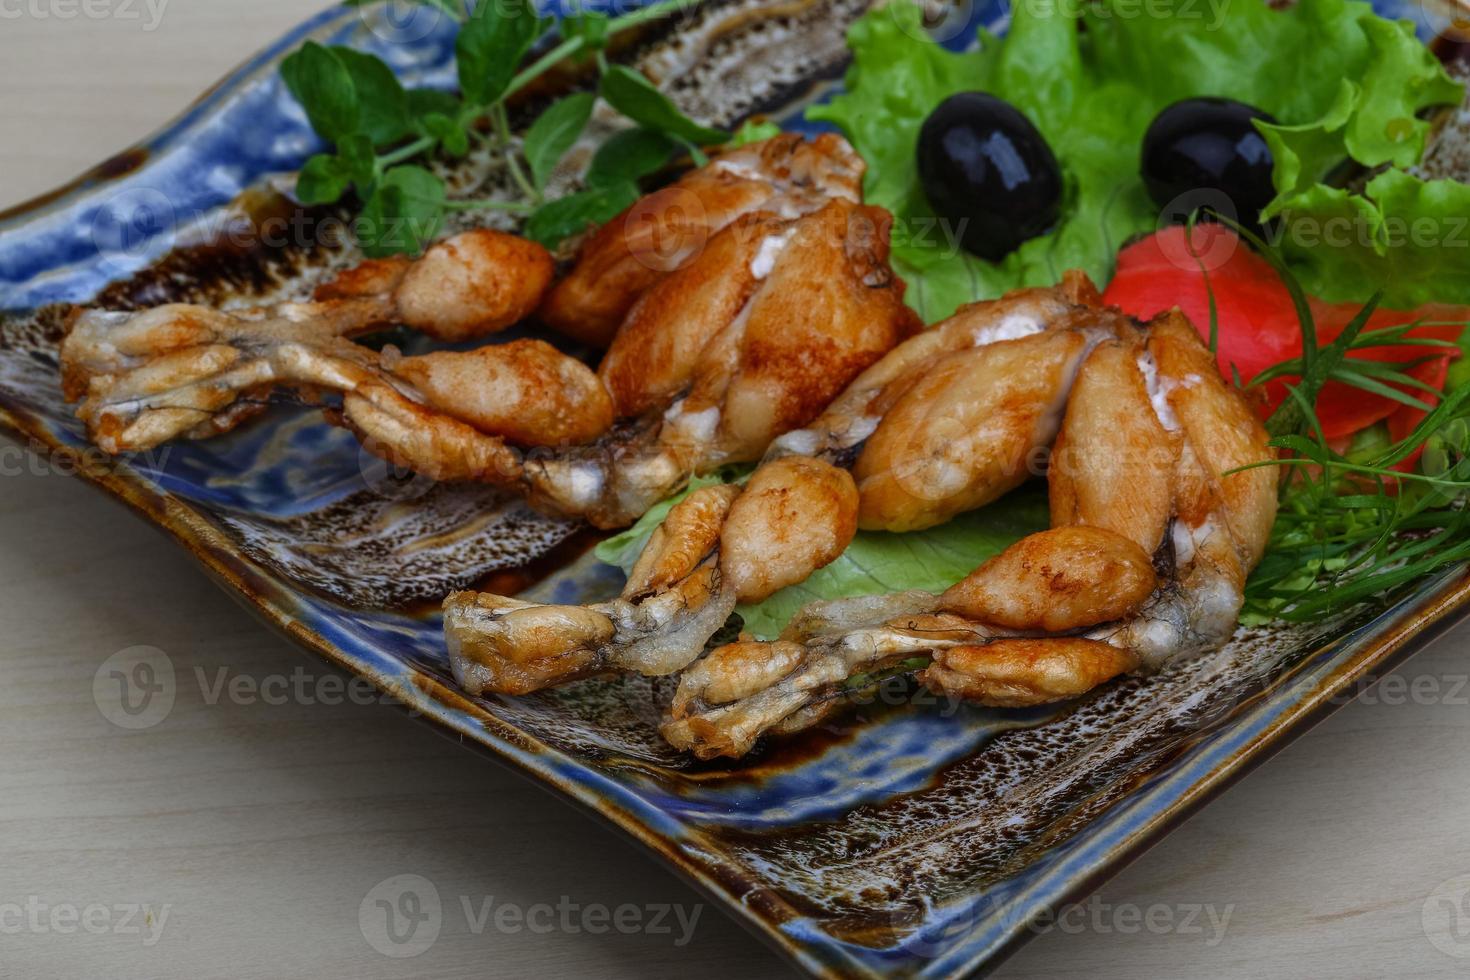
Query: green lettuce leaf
{"points": [[1341, 81], [878, 561], [1373, 118], [1406, 236], [1092, 93], [875, 562], [898, 76], [1399, 233]]}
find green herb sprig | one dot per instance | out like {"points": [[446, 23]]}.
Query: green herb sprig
{"points": [[1354, 525], [378, 128], [1351, 527]]}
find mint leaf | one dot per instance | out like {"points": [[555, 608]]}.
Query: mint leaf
{"points": [[448, 131], [436, 114], [492, 44], [573, 214], [424, 101], [403, 214], [554, 132], [323, 85], [382, 103], [629, 155], [591, 26], [636, 97], [357, 158], [322, 180]]}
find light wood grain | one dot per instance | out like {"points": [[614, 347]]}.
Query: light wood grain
{"points": [[263, 827]]}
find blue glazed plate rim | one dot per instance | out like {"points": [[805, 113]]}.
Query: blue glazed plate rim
{"points": [[170, 133], [1137, 822]]}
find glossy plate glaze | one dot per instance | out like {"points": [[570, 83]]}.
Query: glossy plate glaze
{"points": [[908, 838]]}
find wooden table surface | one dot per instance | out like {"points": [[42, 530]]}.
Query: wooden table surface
{"points": [[251, 834]]}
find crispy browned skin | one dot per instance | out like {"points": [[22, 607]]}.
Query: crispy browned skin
{"points": [[665, 334], [1019, 370], [454, 415], [370, 277], [1007, 634], [675, 598], [764, 320], [961, 434], [741, 669], [1221, 435], [683, 540], [1112, 465], [474, 284], [525, 391], [800, 509], [830, 307], [794, 516], [513, 657], [852, 417], [684, 586], [1056, 580], [186, 370], [749, 333], [1017, 673], [752, 339], [449, 415], [785, 176]]}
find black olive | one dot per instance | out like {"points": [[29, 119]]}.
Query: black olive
{"points": [[1206, 154], [986, 168]]}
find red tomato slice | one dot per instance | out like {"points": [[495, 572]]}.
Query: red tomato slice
{"points": [[1254, 312], [1257, 322], [1351, 409], [1407, 417]]}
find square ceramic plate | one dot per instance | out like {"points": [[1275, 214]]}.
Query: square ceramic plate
{"points": [[903, 840]]}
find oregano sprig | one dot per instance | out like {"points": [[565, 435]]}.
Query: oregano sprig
{"points": [[1357, 522], [378, 129]]}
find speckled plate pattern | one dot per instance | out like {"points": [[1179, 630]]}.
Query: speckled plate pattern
{"points": [[908, 838]]}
